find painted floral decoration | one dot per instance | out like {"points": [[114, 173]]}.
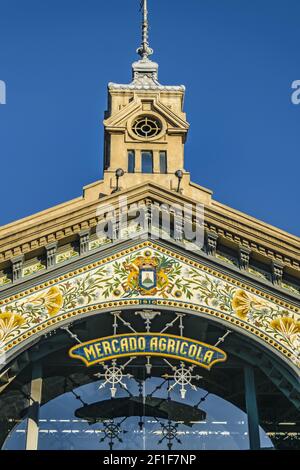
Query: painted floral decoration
{"points": [[149, 275], [243, 303], [287, 326], [51, 300], [9, 322]]}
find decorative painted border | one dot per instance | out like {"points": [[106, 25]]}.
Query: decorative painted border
{"points": [[165, 303], [160, 249]]}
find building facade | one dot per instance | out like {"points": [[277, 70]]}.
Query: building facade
{"points": [[145, 314]]}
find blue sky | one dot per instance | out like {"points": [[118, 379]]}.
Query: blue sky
{"points": [[237, 59]]}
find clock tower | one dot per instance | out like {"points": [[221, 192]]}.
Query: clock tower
{"points": [[145, 129]]}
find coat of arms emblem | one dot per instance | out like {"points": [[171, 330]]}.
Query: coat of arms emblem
{"points": [[147, 278], [147, 275]]}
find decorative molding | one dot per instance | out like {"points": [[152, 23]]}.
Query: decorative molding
{"points": [[17, 267], [224, 222], [176, 282], [51, 250], [84, 240], [277, 272], [211, 243], [244, 257]]}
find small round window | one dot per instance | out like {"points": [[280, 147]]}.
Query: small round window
{"points": [[146, 127]]}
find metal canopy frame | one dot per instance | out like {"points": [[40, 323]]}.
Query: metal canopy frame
{"points": [[261, 372]]}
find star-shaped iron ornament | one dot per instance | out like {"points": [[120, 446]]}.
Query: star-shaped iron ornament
{"points": [[112, 432], [113, 375], [182, 377], [169, 433]]}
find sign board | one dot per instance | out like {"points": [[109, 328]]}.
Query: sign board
{"points": [[147, 344]]}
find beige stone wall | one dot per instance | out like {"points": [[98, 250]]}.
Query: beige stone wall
{"points": [[124, 109]]}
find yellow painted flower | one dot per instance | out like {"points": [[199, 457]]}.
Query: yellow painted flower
{"points": [[53, 300], [241, 303], [286, 325], [8, 322]]}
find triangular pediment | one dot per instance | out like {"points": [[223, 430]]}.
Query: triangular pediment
{"points": [[119, 119]]}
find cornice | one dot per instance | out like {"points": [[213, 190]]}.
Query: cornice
{"points": [[260, 236], [74, 216], [267, 289]]}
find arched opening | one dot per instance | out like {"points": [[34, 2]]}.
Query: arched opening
{"points": [[148, 409]]}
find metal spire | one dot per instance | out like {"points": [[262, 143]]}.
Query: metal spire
{"points": [[145, 50]]}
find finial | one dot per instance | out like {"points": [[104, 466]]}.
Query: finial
{"points": [[145, 50]]}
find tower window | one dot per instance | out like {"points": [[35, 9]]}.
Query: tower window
{"points": [[147, 127], [147, 162], [131, 161], [163, 162]]}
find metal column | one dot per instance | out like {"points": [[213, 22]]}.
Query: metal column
{"points": [[251, 406], [32, 436]]}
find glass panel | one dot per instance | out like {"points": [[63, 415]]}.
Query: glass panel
{"points": [[147, 412], [16, 439], [147, 162], [163, 162], [14, 404], [131, 161], [141, 417], [278, 416]]}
